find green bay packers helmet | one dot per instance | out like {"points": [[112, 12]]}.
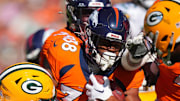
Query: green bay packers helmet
{"points": [[162, 25], [26, 82]]}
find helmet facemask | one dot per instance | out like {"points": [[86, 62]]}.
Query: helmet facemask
{"points": [[78, 17], [105, 51], [164, 48]]}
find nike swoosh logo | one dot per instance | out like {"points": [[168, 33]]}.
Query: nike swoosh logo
{"points": [[55, 44], [101, 91]]}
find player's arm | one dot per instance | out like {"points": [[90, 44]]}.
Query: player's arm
{"points": [[151, 71], [129, 95], [48, 68], [132, 94]]}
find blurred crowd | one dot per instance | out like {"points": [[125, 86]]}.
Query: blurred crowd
{"points": [[19, 19]]}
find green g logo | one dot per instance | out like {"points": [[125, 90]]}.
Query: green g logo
{"points": [[32, 86], [154, 18]]}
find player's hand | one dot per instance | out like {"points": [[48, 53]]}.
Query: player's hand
{"points": [[98, 91], [137, 46]]}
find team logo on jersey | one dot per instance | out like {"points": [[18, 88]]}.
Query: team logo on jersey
{"points": [[55, 44], [154, 18], [32, 87]]}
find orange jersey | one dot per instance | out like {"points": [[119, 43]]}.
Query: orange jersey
{"points": [[65, 57], [130, 79], [168, 83]]}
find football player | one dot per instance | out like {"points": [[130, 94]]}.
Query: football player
{"points": [[162, 27], [63, 52], [71, 66], [114, 53], [26, 82], [136, 10]]}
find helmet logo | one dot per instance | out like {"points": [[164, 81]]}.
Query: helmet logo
{"points": [[32, 87], [96, 4], [154, 18], [114, 36]]}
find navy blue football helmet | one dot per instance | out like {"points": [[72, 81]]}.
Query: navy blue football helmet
{"points": [[78, 11], [34, 44], [107, 30]]}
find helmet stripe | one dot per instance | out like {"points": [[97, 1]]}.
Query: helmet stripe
{"points": [[117, 16], [20, 67]]}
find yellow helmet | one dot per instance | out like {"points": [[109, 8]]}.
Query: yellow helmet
{"points": [[26, 82], [162, 25]]}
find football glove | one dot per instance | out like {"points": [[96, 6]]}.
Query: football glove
{"points": [[137, 46], [98, 91]]}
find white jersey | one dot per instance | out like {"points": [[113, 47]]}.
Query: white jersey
{"points": [[135, 13]]}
